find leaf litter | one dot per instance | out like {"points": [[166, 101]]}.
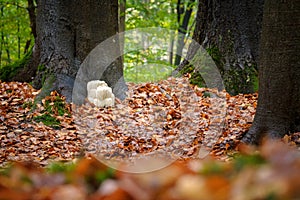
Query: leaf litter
{"points": [[155, 117]]}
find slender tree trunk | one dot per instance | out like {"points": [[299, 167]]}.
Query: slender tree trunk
{"points": [[27, 45], [122, 17], [171, 45], [29, 68], [19, 38], [278, 111], [6, 48], [183, 26], [32, 16], [2, 36], [1, 44], [122, 11]]}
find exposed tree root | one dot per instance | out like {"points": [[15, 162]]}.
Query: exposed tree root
{"points": [[257, 133]]}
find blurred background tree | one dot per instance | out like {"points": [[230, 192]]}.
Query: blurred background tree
{"points": [[177, 15], [18, 33], [15, 36], [229, 32]]}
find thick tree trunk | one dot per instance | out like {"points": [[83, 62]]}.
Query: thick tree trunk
{"points": [[278, 111], [66, 32], [230, 31]]}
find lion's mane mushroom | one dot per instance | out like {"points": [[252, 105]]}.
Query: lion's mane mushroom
{"points": [[100, 94]]}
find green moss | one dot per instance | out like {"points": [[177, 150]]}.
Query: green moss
{"points": [[236, 80], [47, 87], [242, 161], [48, 120], [7, 72], [27, 104], [241, 80], [60, 167], [52, 108], [196, 78], [255, 81], [99, 176], [102, 175], [213, 168], [206, 94], [215, 54], [6, 170], [58, 105], [42, 70]]}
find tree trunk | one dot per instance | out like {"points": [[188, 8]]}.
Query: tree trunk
{"points": [[66, 32], [278, 111], [29, 68], [32, 16], [229, 31], [122, 25], [183, 26]]}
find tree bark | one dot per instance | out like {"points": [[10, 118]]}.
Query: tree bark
{"points": [[230, 31], [66, 33], [278, 111], [122, 17], [30, 60], [32, 16], [29, 69], [183, 26]]}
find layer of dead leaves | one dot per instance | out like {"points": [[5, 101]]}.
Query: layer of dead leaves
{"points": [[272, 174], [23, 139], [170, 117]]}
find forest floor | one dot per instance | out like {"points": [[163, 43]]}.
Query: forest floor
{"points": [[48, 152]]}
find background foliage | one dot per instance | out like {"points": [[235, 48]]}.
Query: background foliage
{"points": [[149, 65], [139, 66], [15, 32]]}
